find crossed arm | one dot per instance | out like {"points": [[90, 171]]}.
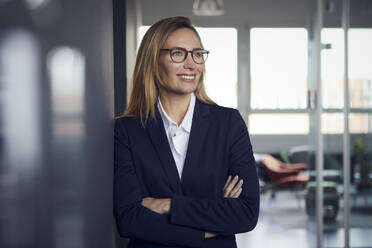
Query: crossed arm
{"points": [[232, 189]]}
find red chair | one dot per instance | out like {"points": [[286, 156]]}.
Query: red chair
{"points": [[283, 175]]}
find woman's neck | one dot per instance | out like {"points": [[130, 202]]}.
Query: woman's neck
{"points": [[175, 106]]}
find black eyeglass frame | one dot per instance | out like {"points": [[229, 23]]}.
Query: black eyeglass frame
{"points": [[186, 53]]}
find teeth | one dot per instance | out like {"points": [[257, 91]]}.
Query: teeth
{"points": [[188, 77]]}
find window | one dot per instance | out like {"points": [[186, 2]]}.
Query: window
{"points": [[221, 67], [262, 123], [333, 69], [360, 64], [360, 80], [278, 68], [279, 64]]}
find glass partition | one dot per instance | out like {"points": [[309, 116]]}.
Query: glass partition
{"points": [[360, 117], [352, 225]]}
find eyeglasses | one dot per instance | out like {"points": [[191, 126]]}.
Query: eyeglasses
{"points": [[179, 54]]}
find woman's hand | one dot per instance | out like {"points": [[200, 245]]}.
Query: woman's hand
{"points": [[233, 187], [208, 235], [158, 205]]}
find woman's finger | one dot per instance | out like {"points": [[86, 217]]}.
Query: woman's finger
{"points": [[227, 182], [236, 188], [237, 194], [230, 186], [146, 202]]}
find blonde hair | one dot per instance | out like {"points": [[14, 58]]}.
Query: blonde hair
{"points": [[146, 77]]}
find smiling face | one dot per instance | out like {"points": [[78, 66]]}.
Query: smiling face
{"points": [[180, 78]]}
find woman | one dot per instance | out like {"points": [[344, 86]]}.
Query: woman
{"points": [[184, 170]]}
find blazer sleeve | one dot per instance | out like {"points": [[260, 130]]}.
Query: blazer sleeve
{"points": [[226, 215], [133, 220]]}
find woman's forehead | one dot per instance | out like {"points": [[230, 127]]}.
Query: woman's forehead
{"points": [[183, 37]]}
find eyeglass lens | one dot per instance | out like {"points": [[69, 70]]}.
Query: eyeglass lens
{"points": [[179, 55]]}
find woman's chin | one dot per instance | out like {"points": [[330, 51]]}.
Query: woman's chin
{"points": [[182, 91]]}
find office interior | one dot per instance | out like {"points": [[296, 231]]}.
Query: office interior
{"points": [[298, 71]]}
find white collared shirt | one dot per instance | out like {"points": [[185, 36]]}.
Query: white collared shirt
{"points": [[178, 136]]}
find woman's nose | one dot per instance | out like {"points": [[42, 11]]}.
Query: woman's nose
{"points": [[189, 62]]}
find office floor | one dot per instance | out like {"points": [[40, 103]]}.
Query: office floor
{"points": [[283, 223]]}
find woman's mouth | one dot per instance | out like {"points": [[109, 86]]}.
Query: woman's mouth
{"points": [[187, 77]]}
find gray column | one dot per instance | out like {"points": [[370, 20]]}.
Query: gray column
{"points": [[56, 123]]}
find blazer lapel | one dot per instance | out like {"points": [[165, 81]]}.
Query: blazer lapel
{"points": [[156, 131], [199, 128]]}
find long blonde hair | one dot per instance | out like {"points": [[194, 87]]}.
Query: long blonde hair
{"points": [[146, 77]]}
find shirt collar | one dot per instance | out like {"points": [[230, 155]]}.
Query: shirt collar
{"points": [[187, 120]]}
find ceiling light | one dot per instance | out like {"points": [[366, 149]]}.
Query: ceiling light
{"points": [[208, 7]]}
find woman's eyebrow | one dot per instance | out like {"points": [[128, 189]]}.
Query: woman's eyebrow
{"points": [[177, 47]]}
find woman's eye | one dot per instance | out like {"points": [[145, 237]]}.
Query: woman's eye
{"points": [[198, 54], [177, 54]]}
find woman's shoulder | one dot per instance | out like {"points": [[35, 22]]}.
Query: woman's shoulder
{"points": [[127, 121], [221, 110], [125, 118], [226, 117]]}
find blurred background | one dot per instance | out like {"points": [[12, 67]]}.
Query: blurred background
{"points": [[299, 71]]}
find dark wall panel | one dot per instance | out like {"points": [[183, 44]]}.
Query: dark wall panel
{"points": [[56, 123], [119, 56]]}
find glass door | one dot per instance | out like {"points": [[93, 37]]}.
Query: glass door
{"points": [[341, 120], [333, 132], [326, 154], [359, 59], [314, 192], [330, 182]]}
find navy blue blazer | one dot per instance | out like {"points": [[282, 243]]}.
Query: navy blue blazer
{"points": [[219, 146]]}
